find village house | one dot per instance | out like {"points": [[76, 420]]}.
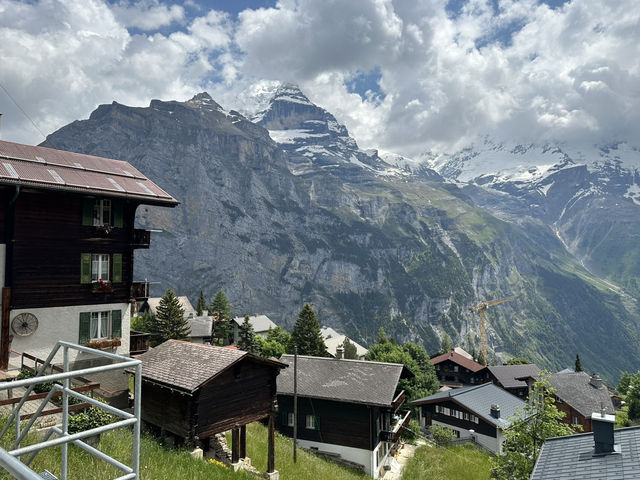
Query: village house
{"points": [[261, 325], [350, 409], [515, 379], [604, 454], [480, 413], [196, 391], [200, 325], [67, 240], [578, 395], [454, 370], [334, 340]]}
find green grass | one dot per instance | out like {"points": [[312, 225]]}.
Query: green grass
{"points": [[308, 466], [452, 463]]}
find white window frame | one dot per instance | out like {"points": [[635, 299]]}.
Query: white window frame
{"points": [[310, 422], [102, 213], [98, 319], [290, 419], [576, 420], [100, 266]]}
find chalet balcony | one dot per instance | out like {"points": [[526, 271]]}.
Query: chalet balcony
{"points": [[401, 421], [141, 238], [398, 401], [140, 290]]}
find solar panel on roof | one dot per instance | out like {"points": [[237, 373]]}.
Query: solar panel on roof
{"points": [[11, 170]]}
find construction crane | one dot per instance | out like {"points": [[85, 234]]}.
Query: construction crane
{"points": [[480, 308]]}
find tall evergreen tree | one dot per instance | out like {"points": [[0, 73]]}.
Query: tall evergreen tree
{"points": [[222, 320], [202, 304], [578, 367], [169, 320], [350, 350], [306, 334], [446, 343], [247, 338]]}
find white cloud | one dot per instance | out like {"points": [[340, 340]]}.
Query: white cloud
{"points": [[147, 15]]}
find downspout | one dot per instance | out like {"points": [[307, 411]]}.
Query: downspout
{"points": [[5, 334]]}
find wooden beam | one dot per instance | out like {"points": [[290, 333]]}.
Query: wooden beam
{"points": [[243, 441], [235, 444], [5, 334], [271, 459]]}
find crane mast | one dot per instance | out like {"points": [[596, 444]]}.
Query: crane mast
{"points": [[480, 309]]}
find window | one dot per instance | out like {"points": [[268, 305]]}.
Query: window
{"points": [[102, 213], [99, 267], [290, 419], [455, 368], [576, 420], [311, 422], [100, 325]]}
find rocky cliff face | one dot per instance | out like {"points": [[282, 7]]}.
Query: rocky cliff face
{"points": [[315, 219]]}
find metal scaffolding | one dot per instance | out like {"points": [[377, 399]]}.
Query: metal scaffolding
{"points": [[10, 460]]}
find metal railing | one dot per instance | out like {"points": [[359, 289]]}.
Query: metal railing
{"points": [[10, 460]]}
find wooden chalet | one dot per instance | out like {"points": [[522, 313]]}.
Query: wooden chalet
{"points": [[515, 379], [67, 239], [455, 370], [478, 413], [349, 409], [195, 391]]}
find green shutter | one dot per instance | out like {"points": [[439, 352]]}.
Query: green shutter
{"points": [[117, 268], [116, 324], [84, 328], [87, 212], [317, 423], [85, 268], [284, 420], [118, 214]]}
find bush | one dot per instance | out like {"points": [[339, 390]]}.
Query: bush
{"points": [[39, 387], [412, 432], [91, 418], [442, 435]]}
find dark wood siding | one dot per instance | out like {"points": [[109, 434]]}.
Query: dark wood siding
{"points": [[341, 423], [242, 394], [48, 240], [167, 409], [482, 427]]}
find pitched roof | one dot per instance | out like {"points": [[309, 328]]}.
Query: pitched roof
{"points": [[154, 302], [576, 390], [455, 357], [507, 375], [50, 169], [565, 458], [260, 323], [200, 326], [478, 399], [186, 366], [333, 340], [353, 381]]}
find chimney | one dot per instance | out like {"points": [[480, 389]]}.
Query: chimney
{"points": [[602, 425], [595, 381], [495, 410], [339, 353]]}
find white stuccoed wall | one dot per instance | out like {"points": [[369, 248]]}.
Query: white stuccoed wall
{"points": [[357, 455], [62, 323]]}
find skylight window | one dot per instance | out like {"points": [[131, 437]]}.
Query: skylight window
{"points": [[115, 184], [11, 170], [55, 176], [146, 189]]}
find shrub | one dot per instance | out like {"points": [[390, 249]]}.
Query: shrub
{"points": [[412, 432], [91, 418], [442, 435], [39, 387]]}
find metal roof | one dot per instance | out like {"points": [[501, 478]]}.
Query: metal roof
{"points": [[571, 457], [187, 366], [507, 375], [260, 323], [47, 168], [576, 390], [478, 399], [353, 381]]}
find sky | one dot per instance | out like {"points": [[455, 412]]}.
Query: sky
{"points": [[406, 76]]}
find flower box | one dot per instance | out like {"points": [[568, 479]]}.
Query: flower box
{"points": [[101, 344], [100, 286]]}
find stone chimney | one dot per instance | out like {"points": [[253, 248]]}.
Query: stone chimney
{"points": [[495, 410], [595, 381], [602, 425], [339, 353]]}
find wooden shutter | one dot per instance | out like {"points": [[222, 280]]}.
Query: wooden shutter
{"points": [[116, 324], [317, 425], [85, 268], [84, 328], [87, 212], [284, 419], [118, 214], [117, 268]]}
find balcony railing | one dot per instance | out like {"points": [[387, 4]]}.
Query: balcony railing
{"points": [[393, 434], [141, 238], [140, 290], [398, 401]]}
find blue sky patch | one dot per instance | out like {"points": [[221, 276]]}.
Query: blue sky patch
{"points": [[362, 82]]}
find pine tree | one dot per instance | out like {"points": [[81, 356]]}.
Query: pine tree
{"points": [[446, 343], [350, 350], [222, 318], [578, 367], [306, 334], [169, 321], [382, 335], [202, 304], [247, 340]]}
